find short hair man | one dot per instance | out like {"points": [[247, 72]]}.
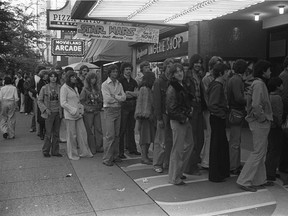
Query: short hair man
{"points": [[127, 111], [113, 96]]}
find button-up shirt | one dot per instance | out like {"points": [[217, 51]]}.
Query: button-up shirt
{"points": [[110, 88]]}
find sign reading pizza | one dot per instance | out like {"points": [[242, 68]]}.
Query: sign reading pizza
{"points": [[117, 32], [67, 47]]}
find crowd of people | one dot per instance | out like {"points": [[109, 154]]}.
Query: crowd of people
{"points": [[183, 113]]}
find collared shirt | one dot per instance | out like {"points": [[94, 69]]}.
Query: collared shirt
{"points": [[128, 85], [112, 88], [207, 79]]}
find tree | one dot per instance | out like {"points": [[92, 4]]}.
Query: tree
{"points": [[18, 39]]}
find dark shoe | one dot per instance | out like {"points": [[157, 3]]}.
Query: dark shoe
{"points": [[135, 153], [218, 180], [277, 175], [268, 184], [117, 160], [46, 155], [183, 177], [5, 135], [58, 155], [42, 137], [180, 183], [235, 172], [108, 163], [100, 150], [248, 188], [122, 156], [146, 161]]}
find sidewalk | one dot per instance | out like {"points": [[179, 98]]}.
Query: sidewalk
{"points": [[31, 185]]}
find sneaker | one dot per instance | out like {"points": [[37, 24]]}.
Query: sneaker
{"points": [[158, 170]]}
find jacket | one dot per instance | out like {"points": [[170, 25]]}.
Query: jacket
{"points": [[235, 93], [69, 100], [144, 104], [258, 103], [92, 101], [159, 94], [43, 100], [217, 103], [178, 102]]}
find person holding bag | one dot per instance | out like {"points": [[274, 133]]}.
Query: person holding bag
{"points": [[237, 103]]}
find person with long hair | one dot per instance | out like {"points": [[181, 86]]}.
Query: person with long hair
{"points": [[144, 116], [259, 117], [178, 105], [219, 162], [51, 111], [8, 100], [91, 98], [73, 113]]}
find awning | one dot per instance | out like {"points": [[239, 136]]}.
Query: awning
{"points": [[108, 51]]}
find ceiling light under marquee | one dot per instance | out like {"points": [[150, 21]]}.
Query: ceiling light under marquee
{"points": [[256, 16], [281, 9]]}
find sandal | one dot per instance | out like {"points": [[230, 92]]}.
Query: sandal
{"points": [[158, 170]]}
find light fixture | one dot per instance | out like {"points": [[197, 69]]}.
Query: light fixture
{"points": [[281, 9], [256, 16]]}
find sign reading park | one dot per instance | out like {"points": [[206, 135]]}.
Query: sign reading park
{"points": [[67, 47], [117, 32]]}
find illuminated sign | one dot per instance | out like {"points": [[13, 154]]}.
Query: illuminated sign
{"points": [[67, 47]]}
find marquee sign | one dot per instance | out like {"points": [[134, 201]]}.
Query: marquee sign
{"points": [[67, 47], [117, 32]]}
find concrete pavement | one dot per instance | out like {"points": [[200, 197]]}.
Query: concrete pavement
{"points": [[31, 185]]}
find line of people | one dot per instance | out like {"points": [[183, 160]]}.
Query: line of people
{"points": [[183, 113]]}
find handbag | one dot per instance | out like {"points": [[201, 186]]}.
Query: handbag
{"points": [[236, 117]]}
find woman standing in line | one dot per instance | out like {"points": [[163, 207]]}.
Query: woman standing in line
{"points": [[91, 98], [144, 116], [178, 106], [219, 161], [8, 100], [51, 111], [73, 113], [259, 117]]}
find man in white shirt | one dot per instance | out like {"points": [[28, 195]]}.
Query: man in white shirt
{"points": [[8, 98], [113, 95]]}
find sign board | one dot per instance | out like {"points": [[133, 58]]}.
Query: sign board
{"points": [[165, 45], [67, 47], [117, 32], [61, 19]]}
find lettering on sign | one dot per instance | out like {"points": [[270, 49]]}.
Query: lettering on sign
{"points": [[67, 47], [164, 45], [117, 32]]}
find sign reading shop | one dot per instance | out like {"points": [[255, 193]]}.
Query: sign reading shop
{"points": [[165, 45], [117, 32], [67, 47]]}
